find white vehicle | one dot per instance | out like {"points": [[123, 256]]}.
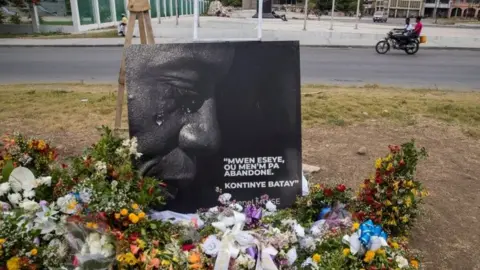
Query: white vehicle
{"points": [[380, 16]]}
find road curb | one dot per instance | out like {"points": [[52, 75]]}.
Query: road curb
{"points": [[305, 46]]}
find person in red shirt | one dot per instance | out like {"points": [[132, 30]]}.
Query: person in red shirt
{"points": [[418, 27]]}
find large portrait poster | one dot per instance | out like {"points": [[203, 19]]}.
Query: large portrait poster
{"points": [[217, 117]]}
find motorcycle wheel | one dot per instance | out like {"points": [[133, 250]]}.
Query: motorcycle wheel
{"points": [[412, 48], [382, 47]]}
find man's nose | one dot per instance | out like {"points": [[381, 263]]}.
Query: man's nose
{"points": [[201, 132]]}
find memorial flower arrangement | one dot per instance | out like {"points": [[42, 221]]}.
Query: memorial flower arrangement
{"points": [[94, 212]]}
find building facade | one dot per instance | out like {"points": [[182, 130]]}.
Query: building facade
{"points": [[464, 9], [411, 8], [395, 8]]}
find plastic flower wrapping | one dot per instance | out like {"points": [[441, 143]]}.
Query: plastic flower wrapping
{"points": [[94, 212]]}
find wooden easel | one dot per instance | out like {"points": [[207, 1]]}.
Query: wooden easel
{"points": [[139, 9]]}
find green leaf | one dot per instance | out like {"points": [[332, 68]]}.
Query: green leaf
{"points": [[153, 226], [7, 170], [144, 232]]}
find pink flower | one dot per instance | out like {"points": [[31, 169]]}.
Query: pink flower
{"points": [[76, 263]]}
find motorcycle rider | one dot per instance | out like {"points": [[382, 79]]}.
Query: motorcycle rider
{"points": [[405, 33], [418, 27]]}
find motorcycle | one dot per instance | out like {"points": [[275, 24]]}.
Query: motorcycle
{"points": [[391, 41]]}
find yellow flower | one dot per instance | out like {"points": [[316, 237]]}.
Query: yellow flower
{"points": [[141, 243], [395, 245], [72, 205], [392, 222], [130, 259], [414, 192], [92, 225], [30, 144], [120, 257], [141, 215], [2, 240], [395, 185], [13, 263], [388, 203], [124, 212], [404, 219], [408, 202], [389, 167], [409, 183], [378, 163], [355, 226], [395, 209], [165, 263], [414, 264], [381, 252], [41, 145], [316, 257], [134, 206], [133, 218], [117, 215], [346, 251], [362, 186], [424, 193], [369, 256]]}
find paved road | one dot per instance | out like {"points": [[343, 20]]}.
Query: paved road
{"points": [[429, 68]]}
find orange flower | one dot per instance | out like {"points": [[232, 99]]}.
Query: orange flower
{"points": [[195, 266], [194, 258], [155, 263], [134, 249]]}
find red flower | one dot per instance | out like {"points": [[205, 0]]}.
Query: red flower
{"points": [[369, 199], [379, 179], [328, 192], [133, 237], [341, 187], [64, 166], [188, 247], [402, 162], [150, 191]]}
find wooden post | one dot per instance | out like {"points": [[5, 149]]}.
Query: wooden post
{"points": [[139, 9]]}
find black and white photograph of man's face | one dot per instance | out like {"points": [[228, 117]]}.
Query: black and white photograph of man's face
{"points": [[192, 105], [174, 109]]}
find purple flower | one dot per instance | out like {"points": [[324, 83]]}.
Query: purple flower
{"points": [[253, 214]]}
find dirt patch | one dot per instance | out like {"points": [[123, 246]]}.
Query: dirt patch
{"points": [[337, 122], [447, 232]]}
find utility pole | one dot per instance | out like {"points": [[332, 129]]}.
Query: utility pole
{"points": [[331, 18], [306, 15], [388, 9], [358, 14], [435, 10]]}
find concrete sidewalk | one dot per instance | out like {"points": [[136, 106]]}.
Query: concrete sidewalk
{"points": [[317, 34]]}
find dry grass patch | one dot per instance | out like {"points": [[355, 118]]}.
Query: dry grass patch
{"points": [[67, 114], [342, 106]]}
